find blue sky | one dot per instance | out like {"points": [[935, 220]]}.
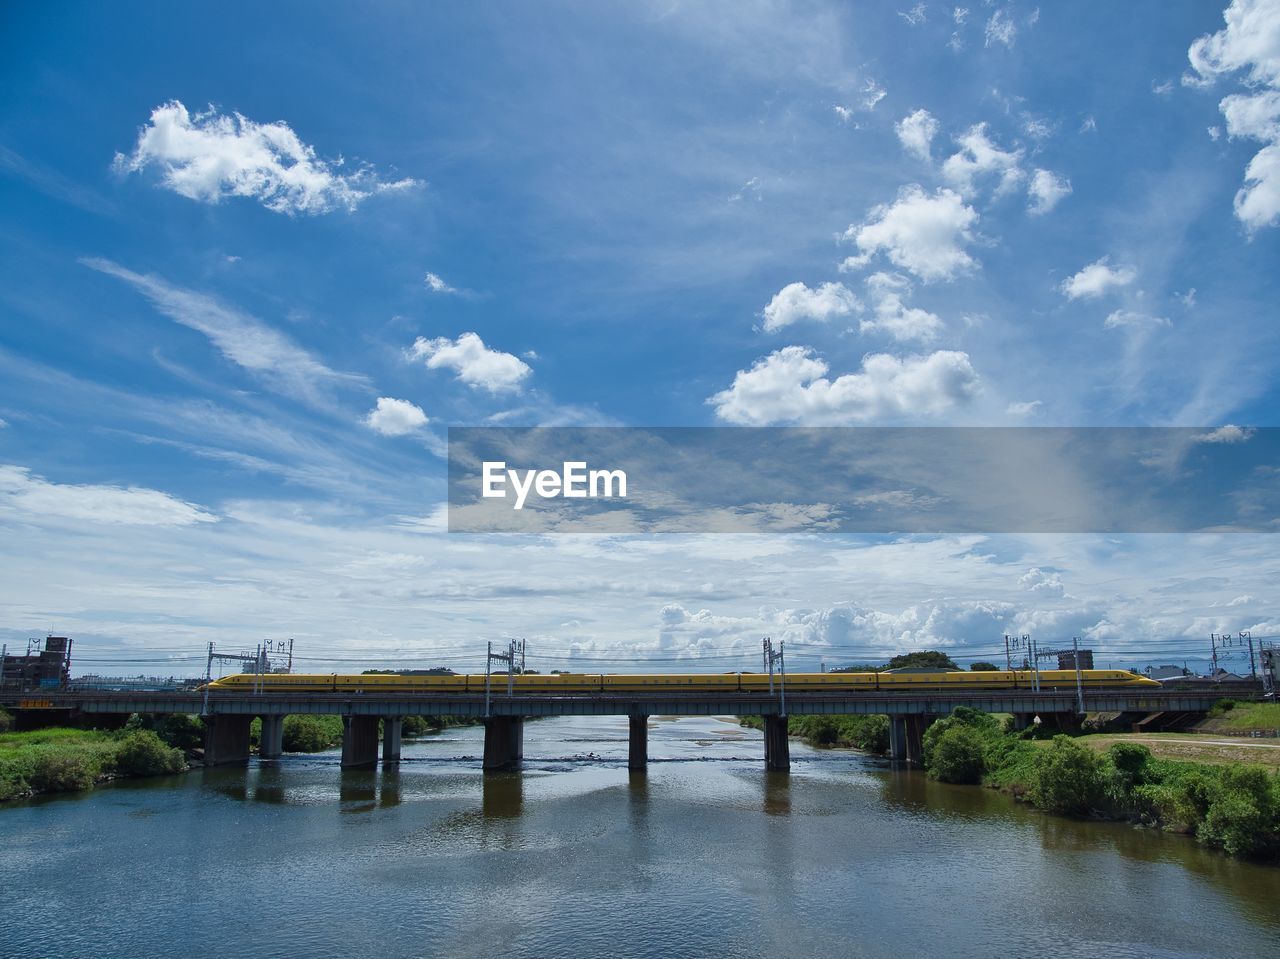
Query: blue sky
{"points": [[255, 261]]}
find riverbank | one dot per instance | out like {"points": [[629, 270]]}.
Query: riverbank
{"points": [[73, 760]]}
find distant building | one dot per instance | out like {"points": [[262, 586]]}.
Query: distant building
{"points": [[1162, 673], [1067, 660], [47, 662]]}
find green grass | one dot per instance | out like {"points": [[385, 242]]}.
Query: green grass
{"points": [[71, 760], [1245, 716]]}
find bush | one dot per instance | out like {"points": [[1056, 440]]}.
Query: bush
{"points": [[143, 753], [416, 726], [1222, 706], [57, 770], [1130, 769], [957, 756], [6, 720], [1067, 778], [181, 730], [311, 734], [1244, 814], [986, 726]]}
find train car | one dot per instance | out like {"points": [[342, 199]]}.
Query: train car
{"points": [[535, 684]]}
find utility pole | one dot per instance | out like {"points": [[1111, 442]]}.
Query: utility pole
{"points": [[514, 648], [1248, 637], [1075, 657], [778, 656]]}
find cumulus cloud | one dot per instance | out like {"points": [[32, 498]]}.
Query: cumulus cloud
{"points": [[796, 302], [34, 497], [476, 365], [208, 156], [916, 132], [924, 234], [978, 158], [791, 386], [1096, 279], [1038, 581], [1046, 190], [1226, 434], [392, 417], [1250, 43], [894, 317]]}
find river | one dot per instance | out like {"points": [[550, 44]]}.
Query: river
{"points": [[705, 855]]}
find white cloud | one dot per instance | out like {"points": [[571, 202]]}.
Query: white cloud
{"points": [[392, 417], [208, 156], [843, 112], [1250, 43], [978, 157], [1001, 29], [791, 386], [872, 93], [916, 132], [1038, 581], [894, 317], [1028, 408], [4, 424], [1096, 279], [915, 16], [960, 15], [796, 302], [923, 234], [476, 364], [1226, 434], [1088, 125], [1122, 319], [751, 187], [1046, 190], [33, 497], [241, 338], [437, 285]]}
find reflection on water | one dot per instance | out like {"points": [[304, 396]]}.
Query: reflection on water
{"points": [[502, 795], [704, 854]]}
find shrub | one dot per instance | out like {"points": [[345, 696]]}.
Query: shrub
{"points": [[311, 734], [1222, 706], [957, 756], [1067, 778], [6, 720], [55, 770], [184, 731], [143, 753], [1244, 813], [986, 726], [416, 726], [1130, 768]]}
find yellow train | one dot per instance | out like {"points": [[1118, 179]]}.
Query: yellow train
{"points": [[565, 683]]}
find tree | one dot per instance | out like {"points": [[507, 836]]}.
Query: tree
{"points": [[930, 658], [983, 667], [1067, 778], [957, 756]]}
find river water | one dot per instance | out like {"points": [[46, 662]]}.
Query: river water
{"points": [[705, 855]]}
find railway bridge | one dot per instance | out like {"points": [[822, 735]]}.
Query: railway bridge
{"points": [[228, 714]]}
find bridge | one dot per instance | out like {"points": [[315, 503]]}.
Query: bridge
{"points": [[228, 714]]}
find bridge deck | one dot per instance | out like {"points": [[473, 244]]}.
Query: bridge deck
{"points": [[657, 703]]}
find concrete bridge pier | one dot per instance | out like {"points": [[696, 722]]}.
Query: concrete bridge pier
{"points": [[359, 741], [898, 738], [777, 747], [503, 743], [226, 740], [906, 737], [638, 748], [392, 732], [271, 740]]}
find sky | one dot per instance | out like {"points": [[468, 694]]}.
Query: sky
{"points": [[255, 261]]}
